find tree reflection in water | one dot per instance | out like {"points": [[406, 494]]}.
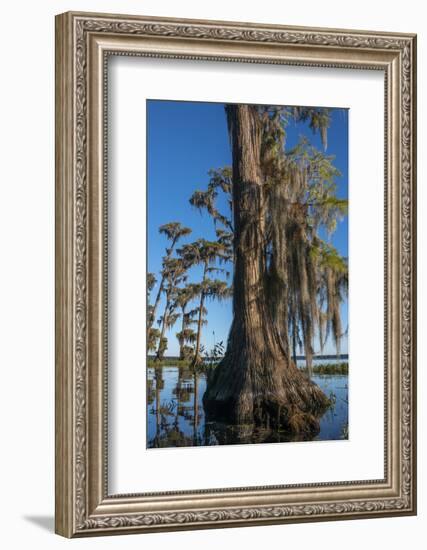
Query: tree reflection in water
{"points": [[176, 417]]}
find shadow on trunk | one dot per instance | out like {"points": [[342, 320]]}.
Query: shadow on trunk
{"points": [[257, 383]]}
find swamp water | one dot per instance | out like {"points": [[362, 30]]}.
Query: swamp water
{"points": [[176, 416]]}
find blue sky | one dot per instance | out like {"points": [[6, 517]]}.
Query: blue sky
{"points": [[184, 141]]}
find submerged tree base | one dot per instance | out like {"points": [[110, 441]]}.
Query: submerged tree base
{"points": [[286, 399]]}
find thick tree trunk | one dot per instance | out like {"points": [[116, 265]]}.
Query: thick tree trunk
{"points": [[256, 382], [277, 288], [294, 344]]}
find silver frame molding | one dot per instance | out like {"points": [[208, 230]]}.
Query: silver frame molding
{"points": [[83, 43]]}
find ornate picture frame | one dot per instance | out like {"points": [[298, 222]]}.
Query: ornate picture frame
{"points": [[84, 42]]}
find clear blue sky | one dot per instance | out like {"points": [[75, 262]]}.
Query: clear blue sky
{"points": [[184, 141]]}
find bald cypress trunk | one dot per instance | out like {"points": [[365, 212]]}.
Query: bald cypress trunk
{"points": [[256, 382]]}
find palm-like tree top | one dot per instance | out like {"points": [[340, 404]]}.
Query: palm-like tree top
{"points": [[174, 230]]}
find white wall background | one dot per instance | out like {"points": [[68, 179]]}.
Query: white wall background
{"points": [[27, 273]]}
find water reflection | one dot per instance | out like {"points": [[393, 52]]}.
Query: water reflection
{"points": [[176, 417]]}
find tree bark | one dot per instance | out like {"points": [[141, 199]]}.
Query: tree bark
{"points": [[256, 382], [200, 319], [195, 406], [163, 330], [181, 340], [158, 376], [161, 287]]}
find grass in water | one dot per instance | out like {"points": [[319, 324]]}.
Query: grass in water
{"points": [[325, 368], [330, 368]]}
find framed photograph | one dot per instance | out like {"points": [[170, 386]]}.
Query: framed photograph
{"points": [[235, 274]]}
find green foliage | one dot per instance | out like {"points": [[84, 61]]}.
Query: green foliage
{"points": [[187, 335], [188, 352], [306, 278], [167, 362], [319, 120], [153, 335], [151, 281], [220, 180], [174, 230], [163, 346], [204, 252], [331, 369], [207, 254], [213, 356]]}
